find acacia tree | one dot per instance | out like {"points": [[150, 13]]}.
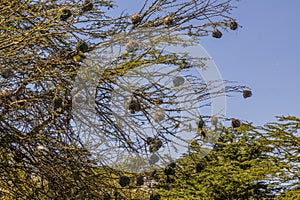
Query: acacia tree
{"points": [[43, 48], [247, 162]]}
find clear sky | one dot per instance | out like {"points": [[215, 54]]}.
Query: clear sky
{"points": [[263, 55]]}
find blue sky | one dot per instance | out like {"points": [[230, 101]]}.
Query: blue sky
{"points": [[263, 55]]}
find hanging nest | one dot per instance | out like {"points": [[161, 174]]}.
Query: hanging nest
{"points": [[200, 166], [124, 181], [132, 46], [155, 196], [178, 81], [153, 159], [200, 123], [140, 181], [217, 34], [87, 6], [82, 46], [235, 123], [65, 14], [169, 21], [155, 145], [149, 140], [6, 73], [134, 105], [247, 93], [135, 19], [159, 116], [169, 171], [233, 25], [214, 121], [57, 102]]}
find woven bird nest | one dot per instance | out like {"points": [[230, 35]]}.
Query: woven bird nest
{"points": [[217, 34], [233, 25], [169, 21], [235, 123], [135, 19], [65, 14], [124, 181], [247, 93], [178, 81], [87, 6]]}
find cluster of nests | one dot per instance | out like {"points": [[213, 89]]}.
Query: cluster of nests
{"points": [[169, 171], [134, 105], [81, 46], [168, 20], [66, 13], [140, 180], [235, 123], [233, 25], [154, 145]]}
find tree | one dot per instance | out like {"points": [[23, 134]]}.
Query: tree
{"points": [[43, 46], [246, 163]]}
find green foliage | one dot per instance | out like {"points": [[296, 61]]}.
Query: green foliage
{"points": [[290, 194], [246, 163], [42, 156]]}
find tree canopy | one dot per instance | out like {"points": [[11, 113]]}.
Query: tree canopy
{"points": [[53, 53]]}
